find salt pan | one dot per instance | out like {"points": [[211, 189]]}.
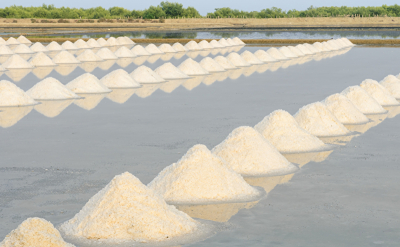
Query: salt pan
{"points": [[54, 46], [119, 79], [238, 41], [224, 62], [345, 110], [40, 59], [93, 43], [379, 93], [23, 40], [11, 95], [68, 45], [89, 56], [102, 42], [12, 41], [169, 71], [296, 51], [275, 53], [205, 45], [38, 47], [193, 46], [216, 44], [144, 74], [167, 48], [5, 50], [87, 83], [191, 67], [392, 84], [16, 62], [22, 49], [152, 49], [237, 60], [264, 56], [362, 100], [250, 58], [211, 65], [106, 54], [179, 47], [287, 52], [223, 42], [65, 57], [140, 51], [51, 89]]}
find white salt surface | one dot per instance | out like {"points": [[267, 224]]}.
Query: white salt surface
{"points": [[362, 100], [311, 48], [224, 62], [248, 153], [304, 49], [54, 46], [275, 53], [5, 50], [264, 56], [191, 67], [16, 62], [201, 177], [167, 48], [140, 51], [342, 43], [152, 49], [11, 95], [34, 232], [392, 84], [124, 52], [113, 41], [193, 46], [41, 60], [89, 56], [250, 58], [179, 47], [68, 45], [93, 43], [169, 71], [127, 210], [296, 51], [216, 44], [287, 52], [23, 40], [211, 65], [347, 41], [223, 42], [51, 89], [205, 45], [12, 41], [379, 93], [22, 49], [102, 42], [344, 110], [64, 57], [106, 54], [87, 83], [237, 60], [119, 79], [38, 47], [144, 74], [238, 41], [282, 130], [2, 68]]}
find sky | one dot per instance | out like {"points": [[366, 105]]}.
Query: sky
{"points": [[204, 6]]}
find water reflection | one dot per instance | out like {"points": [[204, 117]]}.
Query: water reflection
{"points": [[120, 96], [171, 85], [124, 62], [193, 82], [89, 101], [89, 66], [11, 115], [42, 72], [52, 108], [147, 89], [17, 75], [65, 69]]}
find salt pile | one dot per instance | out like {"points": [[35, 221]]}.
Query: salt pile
{"points": [[344, 110], [124, 52], [237, 60], [140, 51], [89, 56], [34, 232], [128, 41], [119, 79], [40, 60], [22, 49], [283, 131], [11, 95], [68, 45], [201, 177], [379, 93], [264, 56], [2, 69], [191, 67], [250, 58], [347, 42], [238, 41], [102, 42], [112, 41], [38, 47], [287, 52], [193, 46], [248, 153], [311, 48], [211, 65], [342, 43], [54, 46], [392, 84], [106, 54], [127, 210], [93, 43], [275, 53], [81, 44], [167, 48], [224, 62], [319, 46], [304, 49], [179, 47], [327, 46], [362, 100], [216, 44], [5, 50], [87, 83], [205, 45], [144, 74], [65, 57], [223, 42], [23, 40], [169, 71], [51, 89], [152, 49], [296, 51], [2, 41], [334, 44], [231, 42], [12, 41], [16, 62], [122, 41]]}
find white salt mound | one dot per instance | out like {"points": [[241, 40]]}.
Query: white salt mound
{"points": [[38, 47], [362, 100], [102, 42], [224, 62], [22, 49], [119, 79], [2, 68], [179, 47], [201, 177], [231, 42], [167, 48], [152, 49], [140, 51], [124, 52], [68, 45], [296, 51], [334, 44], [282, 130], [205, 45], [392, 84], [216, 44], [51, 89], [169, 71], [11, 95], [41, 60], [238, 41], [5, 50], [237, 60], [23, 40], [248, 153], [311, 48], [122, 41], [223, 42], [211, 65], [54, 46], [379, 93], [65, 57], [287, 52], [113, 41], [275, 53], [81, 44], [34, 232], [127, 210], [250, 58], [193, 46], [304, 49], [144, 74], [12, 41], [264, 56], [191, 67], [87, 83], [128, 41], [2, 41], [106, 54], [93, 43], [89, 56], [319, 46], [16, 62], [344, 110]]}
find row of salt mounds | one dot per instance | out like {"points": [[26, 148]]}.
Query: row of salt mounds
{"points": [[89, 56], [51, 89], [16, 62], [41, 60], [169, 71], [223, 42], [54, 46], [124, 52], [319, 46], [144, 74], [216, 44], [34, 232], [225, 63], [93, 43], [87, 83], [362, 100], [275, 53], [237, 60], [119, 79], [193, 46], [166, 48], [113, 41], [179, 47], [81, 44], [311, 48], [248, 153], [102, 42], [22, 49], [283, 131], [211, 65], [392, 84], [5, 50], [12, 41], [379, 93], [344, 110], [106, 54], [201, 177], [68, 45], [250, 58], [191, 67], [304, 49], [296, 51], [140, 51], [287, 52], [64, 57], [126, 210], [264, 56], [205, 45], [319, 121], [152, 49], [23, 40], [38, 47], [11, 95]]}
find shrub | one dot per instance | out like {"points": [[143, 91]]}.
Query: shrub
{"points": [[15, 21]]}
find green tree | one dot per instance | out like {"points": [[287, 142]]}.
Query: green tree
{"points": [[153, 13], [172, 9]]}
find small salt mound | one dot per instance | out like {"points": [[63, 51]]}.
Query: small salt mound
{"points": [[81, 44], [152, 49], [68, 45], [128, 41], [12, 41], [22, 49], [5, 50], [122, 41], [54, 46], [362, 100], [23, 40], [89, 56], [38, 47], [144, 74], [224, 62], [35, 232], [248, 153], [275, 53], [65, 57], [327, 46], [40, 59], [51, 89], [179, 47], [87, 83], [319, 46], [191, 67], [304, 49], [127, 210], [93, 43], [11, 95], [283, 131], [311, 48], [379, 93], [106, 54], [193, 46], [169, 71], [124, 52], [119, 79], [319, 121], [2, 41], [231, 42], [341, 43], [334, 44], [205, 45], [250, 58], [238, 41], [140, 51], [112, 41], [237, 60], [264, 56], [347, 41], [296, 51], [216, 44], [102, 42], [16, 62], [223, 42], [211, 65], [166, 48], [345, 110], [201, 177], [287, 52], [392, 84]]}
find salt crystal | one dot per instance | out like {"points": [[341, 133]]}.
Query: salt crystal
{"points": [[119, 79], [319, 46], [87, 83], [362, 100], [11, 95], [379, 93], [345, 110], [191, 67], [311, 48], [51, 89], [2, 41], [144, 74], [169, 71], [211, 65]]}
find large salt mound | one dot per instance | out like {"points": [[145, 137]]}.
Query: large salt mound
{"points": [[379, 93], [311, 48], [140, 51], [113, 41], [51, 89], [127, 210], [248, 153], [152, 49], [102, 42], [11, 95], [344, 110], [237, 60], [193, 46], [238, 41], [93, 43], [38, 47], [287, 52], [23, 40], [5, 50], [201, 177], [34, 232], [304, 49], [65, 57], [22, 49], [275, 53], [119, 79], [296, 51], [144, 74], [250, 58], [283, 131], [89, 56], [106, 54], [211, 65], [40, 60], [81, 44], [224, 62], [167, 48], [54, 46], [362, 100], [216, 44], [68, 45], [169, 71], [205, 45], [264, 56], [392, 84], [191, 67], [124, 52], [87, 83], [223, 42], [12, 41], [319, 121], [179, 47], [16, 62], [347, 41]]}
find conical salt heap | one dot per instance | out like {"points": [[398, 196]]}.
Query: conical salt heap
{"points": [[362, 100], [287, 52], [16, 62], [11, 95], [81, 44], [191, 67], [152, 49], [193, 46], [275, 53], [333, 44], [347, 41], [319, 46], [144, 74], [250, 58], [23, 40], [93, 43], [342, 43], [38, 47], [87, 83], [379, 93], [2, 41], [237, 60], [112, 41], [264, 56], [205, 45], [54, 46], [51, 89], [22, 49], [102, 42], [127, 210], [5, 50], [179, 47], [65, 57], [296, 51], [119, 79], [12, 41], [140, 51], [41, 60], [68, 45], [224, 62], [304, 49], [231, 42], [216, 44], [327, 46], [238, 41], [311, 48], [122, 41], [89, 56], [282, 130], [211, 65], [223, 42], [200, 177], [166, 48], [124, 52], [344, 110], [106, 54], [169, 71], [35, 232], [248, 153], [392, 84]]}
